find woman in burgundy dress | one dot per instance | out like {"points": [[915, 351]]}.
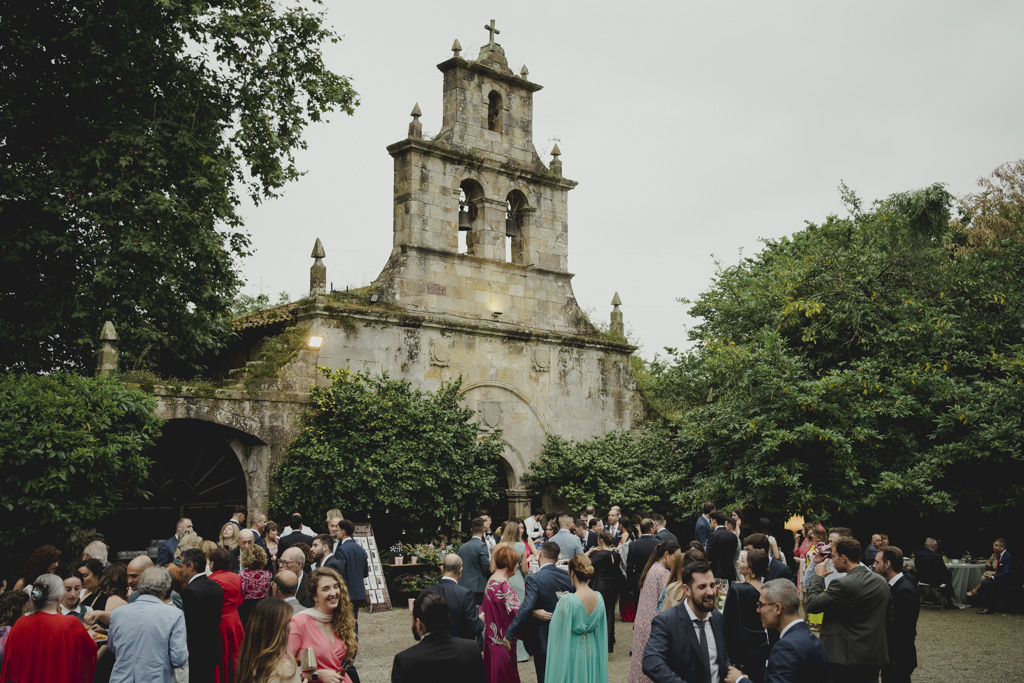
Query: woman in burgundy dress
{"points": [[500, 607], [231, 632]]}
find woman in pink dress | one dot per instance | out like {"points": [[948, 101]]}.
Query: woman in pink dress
{"points": [[652, 582], [329, 627], [500, 607], [231, 633]]}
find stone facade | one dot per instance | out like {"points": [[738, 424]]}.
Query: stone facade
{"points": [[502, 315]]}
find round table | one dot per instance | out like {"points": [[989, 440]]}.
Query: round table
{"points": [[965, 577]]}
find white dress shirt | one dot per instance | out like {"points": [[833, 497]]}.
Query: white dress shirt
{"points": [[709, 634], [533, 528]]}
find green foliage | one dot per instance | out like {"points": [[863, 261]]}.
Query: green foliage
{"points": [[862, 362], [71, 449], [129, 131], [380, 450], [272, 355], [632, 469], [243, 304]]}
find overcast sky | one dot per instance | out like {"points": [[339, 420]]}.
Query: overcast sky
{"points": [[693, 129]]}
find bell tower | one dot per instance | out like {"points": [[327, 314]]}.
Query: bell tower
{"points": [[481, 176]]}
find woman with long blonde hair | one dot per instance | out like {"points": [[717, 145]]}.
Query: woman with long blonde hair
{"points": [[264, 657], [229, 539], [329, 627]]}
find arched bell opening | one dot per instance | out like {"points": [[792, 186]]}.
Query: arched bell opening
{"points": [[471, 196], [494, 111], [515, 222]]}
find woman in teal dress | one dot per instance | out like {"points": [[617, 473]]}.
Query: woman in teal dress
{"points": [[578, 635]]}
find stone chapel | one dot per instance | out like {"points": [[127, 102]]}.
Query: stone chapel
{"points": [[477, 285]]}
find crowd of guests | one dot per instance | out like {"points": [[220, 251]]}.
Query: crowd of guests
{"points": [[257, 607], [249, 607]]}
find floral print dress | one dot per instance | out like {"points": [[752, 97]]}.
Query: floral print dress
{"points": [[500, 607]]}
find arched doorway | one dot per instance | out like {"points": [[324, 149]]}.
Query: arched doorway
{"points": [[195, 474]]}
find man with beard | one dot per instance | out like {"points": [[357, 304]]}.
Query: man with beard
{"points": [[437, 655], [687, 642]]}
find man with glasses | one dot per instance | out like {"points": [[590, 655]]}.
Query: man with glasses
{"points": [[798, 657], [294, 560]]}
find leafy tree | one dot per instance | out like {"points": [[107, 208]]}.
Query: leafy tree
{"points": [[129, 131], [869, 360], [380, 450], [71, 449], [243, 304], [632, 469]]}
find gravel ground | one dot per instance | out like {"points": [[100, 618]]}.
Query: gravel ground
{"points": [[953, 646]]}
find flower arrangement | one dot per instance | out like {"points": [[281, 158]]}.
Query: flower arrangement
{"points": [[408, 583]]}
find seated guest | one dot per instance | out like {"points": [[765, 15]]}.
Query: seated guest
{"points": [[437, 654], [932, 574], [464, 617], [776, 569], [872, 550], [147, 637], [798, 656], [994, 587]]}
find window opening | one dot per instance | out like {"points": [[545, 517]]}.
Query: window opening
{"points": [[494, 111]]}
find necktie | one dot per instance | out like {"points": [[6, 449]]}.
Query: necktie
{"points": [[705, 657]]}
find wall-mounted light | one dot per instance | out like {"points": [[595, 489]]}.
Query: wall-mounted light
{"points": [[315, 341], [496, 314], [374, 297]]}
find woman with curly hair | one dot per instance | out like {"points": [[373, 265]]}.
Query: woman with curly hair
{"points": [[264, 657], [44, 560], [255, 580], [329, 627], [13, 606]]}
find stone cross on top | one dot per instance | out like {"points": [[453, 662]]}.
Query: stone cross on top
{"points": [[492, 30]]}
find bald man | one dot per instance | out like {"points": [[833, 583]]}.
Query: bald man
{"points": [[138, 565], [246, 539], [283, 588], [294, 560]]}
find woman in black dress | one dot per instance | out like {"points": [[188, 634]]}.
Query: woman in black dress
{"points": [[607, 578], [745, 639]]}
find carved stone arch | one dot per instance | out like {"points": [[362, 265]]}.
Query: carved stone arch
{"points": [[466, 173], [501, 406], [505, 186]]}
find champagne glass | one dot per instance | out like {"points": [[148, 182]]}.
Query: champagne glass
{"points": [[722, 586]]}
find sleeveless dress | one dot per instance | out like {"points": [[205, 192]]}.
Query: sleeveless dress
{"points": [[500, 607], [646, 610], [577, 643], [519, 586], [231, 632]]}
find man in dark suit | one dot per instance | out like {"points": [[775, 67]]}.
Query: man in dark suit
{"points": [[298, 535], [661, 532], [246, 539], [464, 616], [687, 642], [294, 561], [476, 561], [355, 565], [906, 606], [994, 587], [931, 549], [639, 552], [538, 606], [776, 569], [856, 612], [721, 548], [587, 537], [798, 657], [703, 527], [320, 553], [437, 657], [165, 553], [202, 601]]}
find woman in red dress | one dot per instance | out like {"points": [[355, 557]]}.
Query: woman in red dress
{"points": [[47, 645], [231, 633]]}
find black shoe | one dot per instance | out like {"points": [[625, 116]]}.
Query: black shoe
{"points": [[985, 611]]}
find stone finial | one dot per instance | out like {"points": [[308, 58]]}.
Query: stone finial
{"points": [[456, 48], [524, 72], [556, 164], [106, 361], [318, 271], [415, 127], [617, 328]]}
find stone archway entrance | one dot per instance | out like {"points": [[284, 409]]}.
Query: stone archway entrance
{"points": [[196, 474]]}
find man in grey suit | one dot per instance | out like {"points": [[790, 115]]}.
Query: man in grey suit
{"points": [[857, 610], [476, 562]]}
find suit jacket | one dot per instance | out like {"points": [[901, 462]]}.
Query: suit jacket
{"points": [[857, 609], [671, 655], [331, 562], [702, 530], [906, 606], [354, 567], [636, 559], [148, 639], [476, 565], [203, 600], [540, 594], [778, 570], [464, 619], [590, 541], [666, 535], [300, 589], [285, 542], [798, 658], [435, 658], [721, 550], [1003, 570], [165, 553]]}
